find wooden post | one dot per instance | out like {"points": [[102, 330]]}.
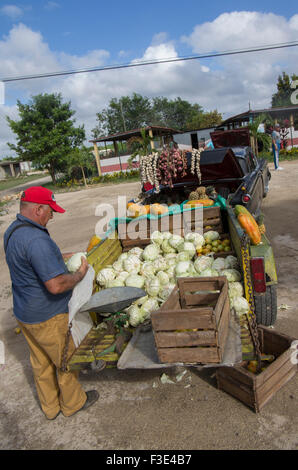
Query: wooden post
{"points": [[97, 158], [151, 141]]}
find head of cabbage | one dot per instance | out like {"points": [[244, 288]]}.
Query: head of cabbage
{"points": [[75, 261]]}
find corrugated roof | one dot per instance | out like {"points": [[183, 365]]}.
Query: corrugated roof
{"points": [[157, 130], [259, 111]]}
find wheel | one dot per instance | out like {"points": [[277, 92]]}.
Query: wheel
{"points": [[266, 306]]}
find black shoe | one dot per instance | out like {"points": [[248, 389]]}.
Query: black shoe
{"points": [[92, 397]]}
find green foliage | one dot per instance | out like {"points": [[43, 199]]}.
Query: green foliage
{"points": [[45, 132], [260, 137], [67, 182], [136, 111], [283, 95]]}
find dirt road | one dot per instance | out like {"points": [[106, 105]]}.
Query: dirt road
{"points": [[135, 410]]}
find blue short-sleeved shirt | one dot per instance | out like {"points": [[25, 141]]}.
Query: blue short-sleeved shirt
{"points": [[34, 258]]}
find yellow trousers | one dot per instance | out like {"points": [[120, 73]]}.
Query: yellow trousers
{"points": [[56, 390]]}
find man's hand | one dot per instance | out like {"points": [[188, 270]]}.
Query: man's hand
{"points": [[66, 282], [83, 268]]}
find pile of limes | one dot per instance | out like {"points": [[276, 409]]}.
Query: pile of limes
{"points": [[216, 246]]}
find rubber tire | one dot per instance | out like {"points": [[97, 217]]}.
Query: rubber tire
{"points": [[266, 307]]}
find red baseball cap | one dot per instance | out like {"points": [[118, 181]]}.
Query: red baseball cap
{"points": [[41, 195]]}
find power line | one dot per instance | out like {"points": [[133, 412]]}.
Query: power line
{"points": [[152, 62]]}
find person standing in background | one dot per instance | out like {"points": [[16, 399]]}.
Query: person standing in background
{"points": [[276, 146]]}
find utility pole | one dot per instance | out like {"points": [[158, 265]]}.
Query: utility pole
{"points": [[122, 116]]}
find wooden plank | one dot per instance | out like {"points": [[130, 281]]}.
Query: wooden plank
{"points": [[193, 300], [242, 393], [189, 355], [183, 320], [239, 374], [274, 381], [274, 368], [261, 402], [221, 301], [185, 339], [223, 327]]}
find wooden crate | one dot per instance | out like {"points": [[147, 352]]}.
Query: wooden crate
{"points": [[137, 232], [205, 315], [256, 390]]}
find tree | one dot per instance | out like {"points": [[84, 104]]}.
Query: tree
{"points": [[262, 139], [204, 119], [124, 114], [81, 158], [46, 134], [174, 113], [283, 95], [137, 111]]}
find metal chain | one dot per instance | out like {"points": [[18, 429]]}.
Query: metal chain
{"points": [[65, 351], [251, 316]]}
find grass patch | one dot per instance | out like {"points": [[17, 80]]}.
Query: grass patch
{"points": [[284, 155], [9, 183]]}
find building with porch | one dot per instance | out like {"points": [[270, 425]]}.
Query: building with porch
{"points": [[278, 115]]}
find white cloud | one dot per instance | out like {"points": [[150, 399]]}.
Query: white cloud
{"points": [[51, 6], [12, 11]]}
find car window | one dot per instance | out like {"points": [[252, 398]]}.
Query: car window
{"points": [[250, 161]]}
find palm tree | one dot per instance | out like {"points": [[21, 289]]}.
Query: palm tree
{"points": [[260, 138]]}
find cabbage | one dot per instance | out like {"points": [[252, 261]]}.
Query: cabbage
{"points": [[123, 256], [160, 264], [173, 261], [189, 247], [203, 262], [152, 286], [175, 240], [167, 248], [171, 271], [165, 291], [75, 262], [134, 280], [135, 315], [231, 274], [105, 275], [182, 267], [231, 262], [123, 275], [183, 256], [163, 278], [170, 256], [166, 235], [118, 266], [206, 273], [132, 263], [151, 252], [148, 306], [115, 283], [156, 237], [235, 289], [240, 305], [211, 236], [147, 269], [196, 238], [218, 264], [136, 251]]}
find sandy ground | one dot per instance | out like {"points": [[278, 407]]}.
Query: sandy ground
{"points": [[135, 410]]}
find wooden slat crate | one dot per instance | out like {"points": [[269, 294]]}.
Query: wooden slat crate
{"points": [[137, 232], [201, 314], [256, 390]]}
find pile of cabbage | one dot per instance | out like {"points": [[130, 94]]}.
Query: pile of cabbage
{"points": [[157, 267]]}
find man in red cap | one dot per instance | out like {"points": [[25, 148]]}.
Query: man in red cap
{"points": [[42, 288]]}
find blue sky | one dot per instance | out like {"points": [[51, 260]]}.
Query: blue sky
{"points": [[43, 36]]}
